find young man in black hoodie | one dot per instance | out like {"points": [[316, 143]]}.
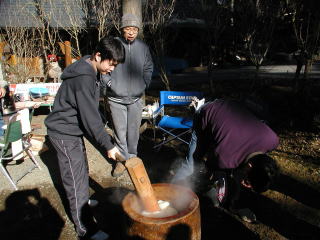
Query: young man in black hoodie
{"points": [[75, 114]]}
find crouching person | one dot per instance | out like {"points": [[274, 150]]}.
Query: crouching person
{"points": [[75, 114], [235, 144]]}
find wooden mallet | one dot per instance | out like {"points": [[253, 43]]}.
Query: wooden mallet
{"points": [[142, 184]]}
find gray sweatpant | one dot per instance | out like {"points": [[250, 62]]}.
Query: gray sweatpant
{"points": [[126, 120]]}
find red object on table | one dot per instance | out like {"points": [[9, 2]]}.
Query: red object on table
{"points": [[52, 58]]}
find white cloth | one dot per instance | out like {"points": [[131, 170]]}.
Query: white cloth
{"points": [[23, 116]]}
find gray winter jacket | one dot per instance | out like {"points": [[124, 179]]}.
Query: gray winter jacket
{"points": [[131, 78]]}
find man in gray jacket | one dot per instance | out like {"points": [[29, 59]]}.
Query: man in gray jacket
{"points": [[125, 89]]}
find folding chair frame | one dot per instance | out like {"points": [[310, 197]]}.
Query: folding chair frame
{"points": [[173, 137], [8, 139], [160, 111]]}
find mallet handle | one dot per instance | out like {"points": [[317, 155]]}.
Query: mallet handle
{"points": [[142, 184]]}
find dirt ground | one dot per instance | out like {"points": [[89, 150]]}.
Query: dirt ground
{"points": [[290, 210]]}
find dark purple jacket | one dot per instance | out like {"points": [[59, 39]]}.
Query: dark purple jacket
{"points": [[232, 132]]}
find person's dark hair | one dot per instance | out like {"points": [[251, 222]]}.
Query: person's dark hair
{"points": [[110, 48], [263, 173]]}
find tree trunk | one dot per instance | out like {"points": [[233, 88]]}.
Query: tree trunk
{"points": [[298, 70], [213, 85], [134, 7], [302, 82], [297, 81], [256, 80], [307, 69]]}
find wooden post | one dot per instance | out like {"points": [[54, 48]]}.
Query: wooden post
{"points": [[132, 6], [68, 59], [12, 60], [142, 184], [2, 45], [35, 65], [62, 47]]}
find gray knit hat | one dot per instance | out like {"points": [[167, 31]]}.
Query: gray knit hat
{"points": [[130, 20]]}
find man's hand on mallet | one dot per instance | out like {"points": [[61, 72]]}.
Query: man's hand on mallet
{"points": [[114, 153]]}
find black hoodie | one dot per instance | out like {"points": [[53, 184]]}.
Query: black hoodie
{"points": [[75, 110]]}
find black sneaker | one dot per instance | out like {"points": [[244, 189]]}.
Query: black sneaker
{"points": [[93, 203], [100, 235]]}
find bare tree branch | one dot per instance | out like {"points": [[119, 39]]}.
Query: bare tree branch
{"points": [[25, 49], [157, 14], [103, 15]]}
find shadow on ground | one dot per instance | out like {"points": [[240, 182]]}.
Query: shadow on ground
{"points": [[284, 222], [28, 215]]}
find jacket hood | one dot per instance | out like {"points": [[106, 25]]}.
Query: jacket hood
{"points": [[80, 67]]}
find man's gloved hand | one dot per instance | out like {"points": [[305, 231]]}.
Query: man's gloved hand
{"points": [[196, 103], [106, 79]]}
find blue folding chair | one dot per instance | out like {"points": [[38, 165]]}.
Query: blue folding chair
{"points": [[173, 127]]}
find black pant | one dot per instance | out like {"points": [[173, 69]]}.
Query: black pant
{"points": [[74, 172]]}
